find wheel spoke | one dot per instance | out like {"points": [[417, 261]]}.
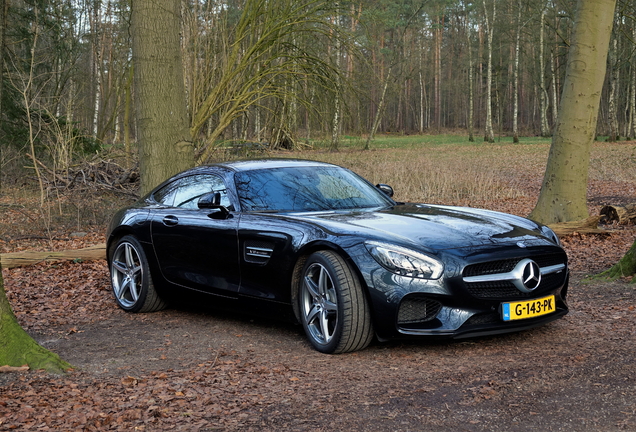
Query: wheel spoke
{"points": [[312, 314], [130, 256], [120, 267], [324, 326], [123, 288], [134, 292], [330, 306], [323, 282], [312, 288]]}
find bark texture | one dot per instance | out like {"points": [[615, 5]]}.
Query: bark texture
{"points": [[625, 267], [165, 144], [563, 194]]}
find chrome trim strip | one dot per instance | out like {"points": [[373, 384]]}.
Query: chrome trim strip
{"points": [[512, 275]]}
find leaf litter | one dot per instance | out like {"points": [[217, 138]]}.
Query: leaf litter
{"points": [[194, 369]]}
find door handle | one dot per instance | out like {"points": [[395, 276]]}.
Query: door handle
{"points": [[170, 220]]}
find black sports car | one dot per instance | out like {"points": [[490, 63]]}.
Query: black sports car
{"points": [[351, 263]]}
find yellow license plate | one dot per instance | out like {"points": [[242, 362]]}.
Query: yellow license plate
{"points": [[527, 309]]}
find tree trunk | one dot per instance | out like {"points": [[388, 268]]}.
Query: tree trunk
{"points": [[563, 194], [4, 9], [17, 348], [612, 109], [543, 96], [380, 110], [437, 71], [490, 134], [625, 267], [165, 143], [471, 90], [631, 131], [515, 88]]}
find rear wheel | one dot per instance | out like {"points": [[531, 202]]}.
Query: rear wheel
{"points": [[333, 308], [130, 278]]}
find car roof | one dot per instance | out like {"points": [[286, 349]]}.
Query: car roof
{"points": [[257, 164]]}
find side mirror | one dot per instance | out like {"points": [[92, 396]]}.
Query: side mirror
{"points": [[388, 190], [212, 201]]}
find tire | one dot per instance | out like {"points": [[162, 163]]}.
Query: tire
{"points": [[333, 309], [130, 278]]}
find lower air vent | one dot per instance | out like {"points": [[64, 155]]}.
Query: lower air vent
{"points": [[415, 310]]}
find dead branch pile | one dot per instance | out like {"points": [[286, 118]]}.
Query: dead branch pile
{"points": [[93, 175]]}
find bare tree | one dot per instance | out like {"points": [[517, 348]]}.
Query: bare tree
{"points": [[490, 23]]}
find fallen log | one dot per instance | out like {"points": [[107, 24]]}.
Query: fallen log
{"points": [[26, 258], [622, 214], [586, 226]]}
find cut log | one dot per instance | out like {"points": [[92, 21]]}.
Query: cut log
{"points": [[622, 214], [586, 226], [20, 259]]}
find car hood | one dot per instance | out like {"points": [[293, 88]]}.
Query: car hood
{"points": [[433, 227]]}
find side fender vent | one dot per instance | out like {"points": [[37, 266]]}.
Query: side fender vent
{"points": [[258, 252]]}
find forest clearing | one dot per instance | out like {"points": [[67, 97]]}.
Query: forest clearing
{"points": [[202, 369]]}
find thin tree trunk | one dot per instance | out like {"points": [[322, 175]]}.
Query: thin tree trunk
{"points": [[490, 135], [471, 85], [4, 9], [515, 88], [335, 126], [632, 111], [378, 113], [543, 96], [631, 132], [438, 72], [614, 83], [422, 90]]}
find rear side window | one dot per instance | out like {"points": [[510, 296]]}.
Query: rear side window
{"points": [[186, 191]]}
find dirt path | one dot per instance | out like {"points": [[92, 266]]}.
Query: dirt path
{"points": [[195, 370]]}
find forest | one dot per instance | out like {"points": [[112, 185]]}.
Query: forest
{"points": [[450, 101], [287, 73]]}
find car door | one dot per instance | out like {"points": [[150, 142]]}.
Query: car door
{"points": [[196, 248]]}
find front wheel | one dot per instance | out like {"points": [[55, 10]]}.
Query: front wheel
{"points": [[130, 278], [333, 308]]}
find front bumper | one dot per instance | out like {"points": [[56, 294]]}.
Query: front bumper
{"points": [[450, 308]]}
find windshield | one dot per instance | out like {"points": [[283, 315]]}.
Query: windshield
{"points": [[315, 188]]}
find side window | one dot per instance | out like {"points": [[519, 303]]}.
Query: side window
{"points": [[185, 192]]}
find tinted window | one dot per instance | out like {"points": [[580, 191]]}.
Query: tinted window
{"points": [[185, 192], [306, 189]]}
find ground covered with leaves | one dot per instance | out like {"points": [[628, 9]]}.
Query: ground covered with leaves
{"points": [[193, 369]]}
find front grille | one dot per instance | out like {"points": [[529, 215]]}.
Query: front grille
{"points": [[504, 266], [418, 309], [505, 289]]}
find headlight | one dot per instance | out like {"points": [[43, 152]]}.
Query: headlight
{"points": [[551, 235], [405, 262]]}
